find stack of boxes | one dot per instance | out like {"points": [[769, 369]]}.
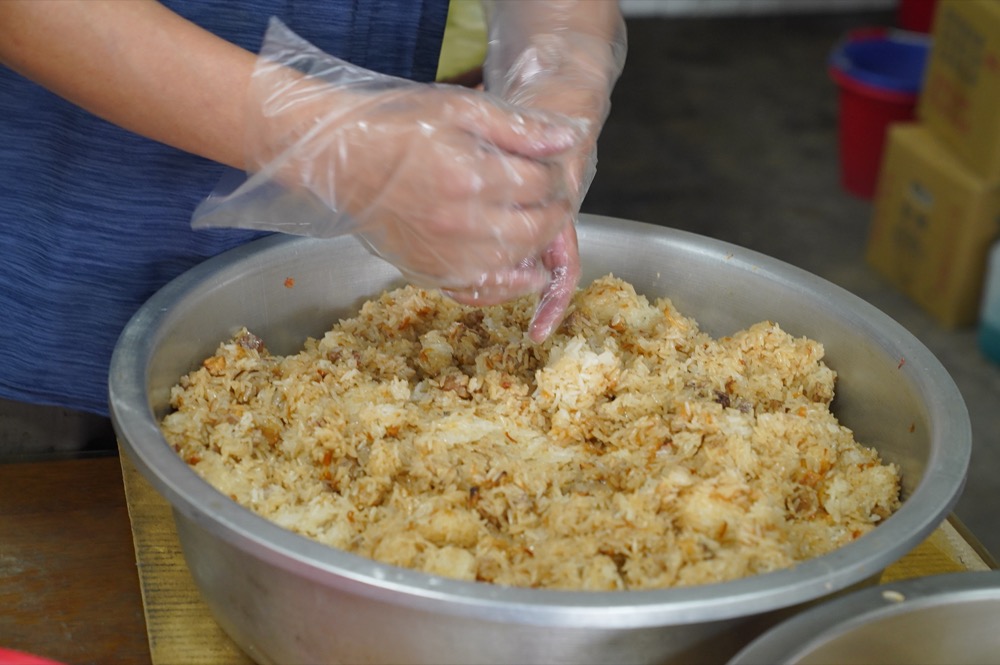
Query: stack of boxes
{"points": [[937, 205]]}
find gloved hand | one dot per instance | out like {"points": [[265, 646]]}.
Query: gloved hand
{"points": [[456, 188], [564, 57]]}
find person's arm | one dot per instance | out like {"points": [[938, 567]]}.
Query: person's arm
{"points": [[563, 56], [136, 64], [452, 186], [517, 27]]}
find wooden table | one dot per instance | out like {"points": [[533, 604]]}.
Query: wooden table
{"points": [[69, 586], [81, 584]]}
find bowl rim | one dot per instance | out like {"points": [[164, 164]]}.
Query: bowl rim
{"points": [[194, 499], [802, 634]]}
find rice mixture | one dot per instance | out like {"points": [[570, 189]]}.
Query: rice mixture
{"points": [[629, 451]]}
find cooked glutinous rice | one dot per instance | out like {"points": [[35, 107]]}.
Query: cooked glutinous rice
{"points": [[629, 451]]}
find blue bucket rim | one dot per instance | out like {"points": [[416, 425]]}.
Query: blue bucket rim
{"points": [[840, 61]]}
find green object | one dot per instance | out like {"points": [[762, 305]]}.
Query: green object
{"points": [[464, 45]]}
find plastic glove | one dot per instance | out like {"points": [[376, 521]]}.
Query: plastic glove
{"points": [[560, 56], [455, 188]]}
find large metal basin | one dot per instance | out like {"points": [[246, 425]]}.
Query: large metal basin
{"points": [[286, 599]]}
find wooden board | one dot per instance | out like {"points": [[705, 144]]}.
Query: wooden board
{"points": [[180, 626], [182, 630], [949, 549]]}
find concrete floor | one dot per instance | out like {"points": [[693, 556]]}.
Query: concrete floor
{"points": [[727, 127]]}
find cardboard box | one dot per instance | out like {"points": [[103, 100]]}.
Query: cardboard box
{"points": [[933, 223], [960, 100]]}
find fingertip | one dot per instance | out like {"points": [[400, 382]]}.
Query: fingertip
{"points": [[548, 316], [539, 332]]}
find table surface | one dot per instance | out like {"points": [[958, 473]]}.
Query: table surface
{"points": [[69, 585], [71, 588]]}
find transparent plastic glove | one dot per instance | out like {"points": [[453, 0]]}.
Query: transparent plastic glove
{"points": [[563, 57], [454, 187], [560, 263]]}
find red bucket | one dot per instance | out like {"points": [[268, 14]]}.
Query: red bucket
{"points": [[879, 75], [916, 15]]}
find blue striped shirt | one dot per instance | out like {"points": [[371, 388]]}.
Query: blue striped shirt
{"points": [[94, 219]]}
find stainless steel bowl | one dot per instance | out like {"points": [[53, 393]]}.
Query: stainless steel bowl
{"points": [[286, 599], [949, 619]]}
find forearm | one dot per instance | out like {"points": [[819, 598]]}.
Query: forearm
{"points": [[600, 19], [584, 36], [136, 64]]}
